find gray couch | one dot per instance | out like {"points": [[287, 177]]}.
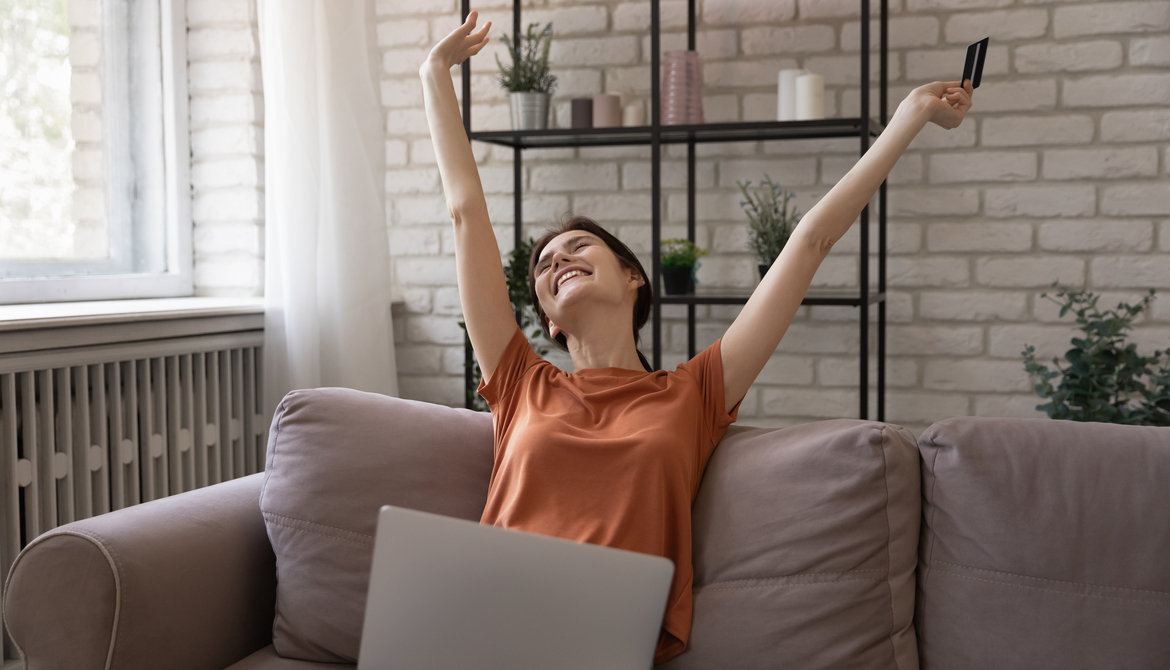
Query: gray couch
{"points": [[986, 543]]}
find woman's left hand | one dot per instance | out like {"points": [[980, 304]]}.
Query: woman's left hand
{"points": [[946, 102]]}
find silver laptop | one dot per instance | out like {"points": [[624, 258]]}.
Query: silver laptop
{"points": [[448, 593]]}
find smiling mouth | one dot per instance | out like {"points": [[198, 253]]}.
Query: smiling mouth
{"points": [[567, 278]]}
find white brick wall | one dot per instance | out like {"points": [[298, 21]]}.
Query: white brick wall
{"points": [[85, 61], [1059, 172], [227, 147]]}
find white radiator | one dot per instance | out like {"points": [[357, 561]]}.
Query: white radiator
{"points": [[86, 430]]}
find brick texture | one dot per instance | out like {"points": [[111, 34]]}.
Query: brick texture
{"points": [[227, 147], [1058, 173]]}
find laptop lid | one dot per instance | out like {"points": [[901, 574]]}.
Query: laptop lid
{"points": [[450, 593]]}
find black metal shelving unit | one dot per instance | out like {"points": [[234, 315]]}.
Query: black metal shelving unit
{"points": [[655, 135]]}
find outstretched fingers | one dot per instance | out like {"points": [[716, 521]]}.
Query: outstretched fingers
{"points": [[479, 38], [472, 44]]}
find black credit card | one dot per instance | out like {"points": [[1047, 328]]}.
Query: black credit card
{"points": [[973, 67]]}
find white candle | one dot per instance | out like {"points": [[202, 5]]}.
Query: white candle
{"points": [[810, 97], [634, 114], [786, 94]]}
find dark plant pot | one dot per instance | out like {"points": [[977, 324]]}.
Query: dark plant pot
{"points": [[763, 269], [677, 281]]}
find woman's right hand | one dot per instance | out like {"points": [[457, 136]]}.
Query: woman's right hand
{"points": [[459, 45]]}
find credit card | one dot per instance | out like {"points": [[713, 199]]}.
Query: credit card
{"points": [[973, 67]]}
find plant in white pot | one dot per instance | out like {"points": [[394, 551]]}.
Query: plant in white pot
{"points": [[528, 80], [769, 220]]}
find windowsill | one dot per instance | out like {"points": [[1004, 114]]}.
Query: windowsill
{"points": [[98, 312]]}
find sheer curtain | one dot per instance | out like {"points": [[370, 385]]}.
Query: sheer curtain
{"points": [[327, 257]]}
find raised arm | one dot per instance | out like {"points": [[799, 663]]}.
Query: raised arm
{"points": [[483, 291], [753, 336]]}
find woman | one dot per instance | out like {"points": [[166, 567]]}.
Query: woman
{"points": [[613, 453]]}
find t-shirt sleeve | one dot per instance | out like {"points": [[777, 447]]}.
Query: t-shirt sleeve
{"points": [[500, 391], [707, 370]]}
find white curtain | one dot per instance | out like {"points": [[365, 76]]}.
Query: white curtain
{"points": [[327, 257]]}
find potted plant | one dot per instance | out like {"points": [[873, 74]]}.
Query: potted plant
{"points": [[528, 80], [679, 260], [770, 221], [1106, 379]]}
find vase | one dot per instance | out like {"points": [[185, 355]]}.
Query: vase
{"points": [[677, 281], [529, 110], [682, 89], [764, 269]]}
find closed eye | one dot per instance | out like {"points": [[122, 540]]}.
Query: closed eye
{"points": [[541, 268]]}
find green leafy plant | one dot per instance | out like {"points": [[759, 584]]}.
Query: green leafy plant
{"points": [[516, 275], [770, 222], [1106, 379], [680, 253], [529, 71]]}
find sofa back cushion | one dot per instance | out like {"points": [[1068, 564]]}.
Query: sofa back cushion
{"points": [[804, 537], [335, 456], [805, 549], [1046, 544]]}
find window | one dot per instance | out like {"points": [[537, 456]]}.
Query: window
{"points": [[94, 193]]}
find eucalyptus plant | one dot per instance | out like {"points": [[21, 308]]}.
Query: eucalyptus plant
{"points": [[529, 71], [516, 276], [769, 220], [1106, 379]]}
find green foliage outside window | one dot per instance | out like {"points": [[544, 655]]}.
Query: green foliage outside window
{"points": [[1105, 378], [36, 140]]}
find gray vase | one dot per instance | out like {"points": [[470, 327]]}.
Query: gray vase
{"points": [[529, 110]]}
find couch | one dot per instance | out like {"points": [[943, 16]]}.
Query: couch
{"points": [[984, 543]]}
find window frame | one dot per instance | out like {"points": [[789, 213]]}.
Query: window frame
{"points": [[178, 280]]}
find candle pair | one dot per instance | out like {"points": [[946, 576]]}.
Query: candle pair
{"points": [[600, 111], [801, 96]]}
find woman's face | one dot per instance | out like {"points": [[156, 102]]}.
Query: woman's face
{"points": [[579, 266]]}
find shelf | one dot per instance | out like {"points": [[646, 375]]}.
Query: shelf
{"points": [[738, 296], [705, 132], [658, 135]]}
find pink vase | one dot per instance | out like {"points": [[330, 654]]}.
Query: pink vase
{"points": [[682, 89]]}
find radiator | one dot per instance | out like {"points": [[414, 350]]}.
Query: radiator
{"points": [[93, 429]]}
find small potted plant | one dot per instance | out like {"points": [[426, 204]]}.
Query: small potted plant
{"points": [[679, 260], [771, 223], [528, 80]]}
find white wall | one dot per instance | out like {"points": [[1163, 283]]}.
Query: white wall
{"points": [[227, 147]]}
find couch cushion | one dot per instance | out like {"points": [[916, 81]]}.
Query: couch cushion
{"points": [[805, 549], [334, 457], [1046, 544], [268, 659]]}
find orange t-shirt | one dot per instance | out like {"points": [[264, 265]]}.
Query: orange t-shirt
{"points": [[607, 456]]}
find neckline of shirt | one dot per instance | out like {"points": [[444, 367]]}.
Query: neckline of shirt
{"points": [[608, 372]]}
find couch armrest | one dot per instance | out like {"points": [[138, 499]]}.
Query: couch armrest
{"points": [[185, 582]]}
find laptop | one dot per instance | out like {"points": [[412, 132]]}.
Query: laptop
{"points": [[449, 593]]}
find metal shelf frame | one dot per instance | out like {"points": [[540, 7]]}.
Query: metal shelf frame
{"points": [[655, 135]]}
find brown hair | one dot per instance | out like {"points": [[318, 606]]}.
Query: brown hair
{"points": [[624, 256]]}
